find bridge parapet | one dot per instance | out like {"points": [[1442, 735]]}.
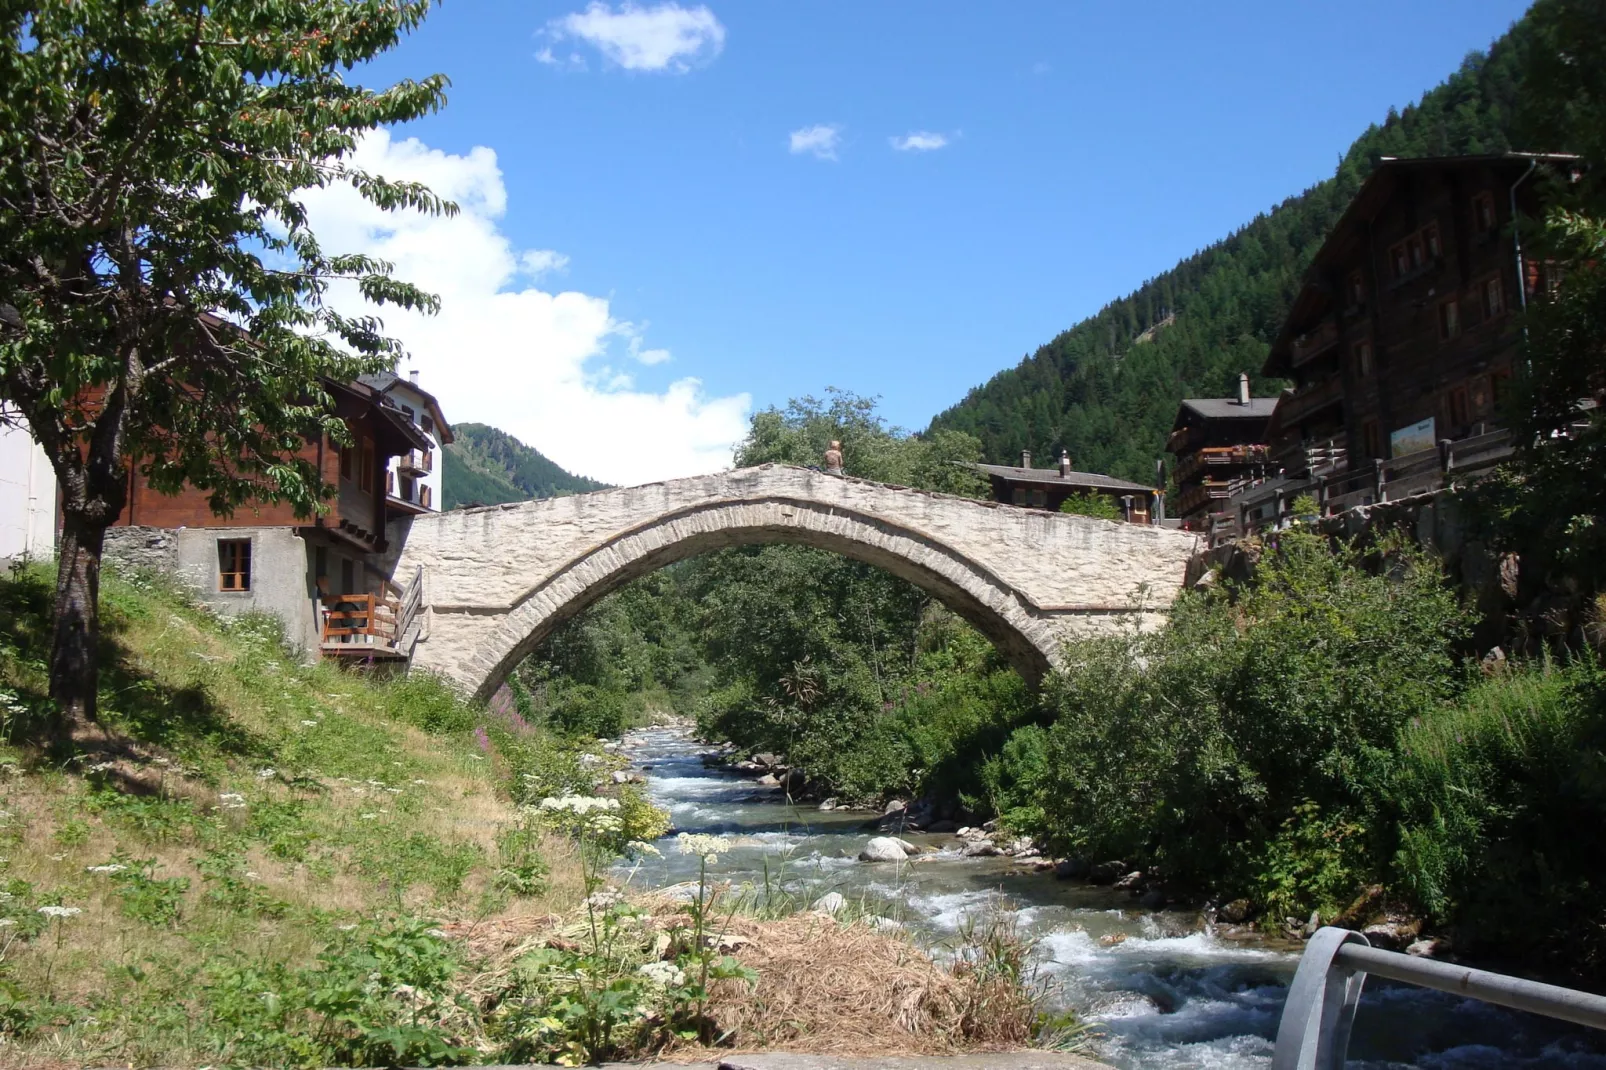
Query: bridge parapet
{"points": [[499, 578]]}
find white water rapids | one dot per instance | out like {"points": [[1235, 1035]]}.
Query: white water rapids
{"points": [[1158, 990]]}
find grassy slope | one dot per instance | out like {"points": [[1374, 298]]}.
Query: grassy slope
{"points": [[344, 811]]}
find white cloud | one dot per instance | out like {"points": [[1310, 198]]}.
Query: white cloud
{"points": [[663, 37], [534, 262], [820, 140], [502, 351], [919, 141]]}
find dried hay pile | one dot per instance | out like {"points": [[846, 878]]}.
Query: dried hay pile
{"points": [[824, 986], [829, 988]]}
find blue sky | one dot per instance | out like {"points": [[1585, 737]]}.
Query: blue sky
{"points": [[651, 194]]}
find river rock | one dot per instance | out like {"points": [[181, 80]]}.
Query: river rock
{"points": [[767, 781], [1107, 872], [832, 903], [895, 806], [1426, 949], [765, 760], [1235, 912], [1130, 881], [881, 924], [1072, 869], [829, 804], [748, 767], [981, 849], [883, 849], [1392, 933]]}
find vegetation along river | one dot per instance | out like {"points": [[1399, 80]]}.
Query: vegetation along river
{"points": [[1159, 989]]}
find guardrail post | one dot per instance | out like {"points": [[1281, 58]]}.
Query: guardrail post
{"points": [[1314, 1032]]}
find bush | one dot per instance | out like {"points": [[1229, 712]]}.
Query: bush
{"points": [[426, 701], [1098, 506], [1205, 748], [1496, 792], [587, 710]]}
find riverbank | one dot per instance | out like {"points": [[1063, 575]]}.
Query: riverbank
{"points": [[1159, 988]]}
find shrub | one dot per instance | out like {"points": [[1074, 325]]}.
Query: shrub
{"points": [[1098, 506], [426, 701], [1495, 793], [587, 710]]}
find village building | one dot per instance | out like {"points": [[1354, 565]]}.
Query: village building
{"points": [[323, 576], [1401, 338], [1220, 446], [1048, 488]]}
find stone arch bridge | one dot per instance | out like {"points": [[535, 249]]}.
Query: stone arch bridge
{"points": [[498, 579]]}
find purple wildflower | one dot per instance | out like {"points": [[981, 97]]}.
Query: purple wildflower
{"points": [[482, 739]]}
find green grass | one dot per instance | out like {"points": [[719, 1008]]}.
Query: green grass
{"points": [[240, 816]]}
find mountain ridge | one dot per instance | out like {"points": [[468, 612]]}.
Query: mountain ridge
{"points": [[487, 466]]}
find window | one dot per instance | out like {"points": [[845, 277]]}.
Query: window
{"points": [[427, 424], [1039, 497], [1459, 414], [1483, 217], [1418, 251], [1357, 289], [1019, 497], [1363, 360], [1430, 238], [1492, 298], [1449, 319], [234, 564], [407, 411], [1372, 439], [1401, 261]]}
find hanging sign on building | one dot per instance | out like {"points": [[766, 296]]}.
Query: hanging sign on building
{"points": [[1413, 439]]}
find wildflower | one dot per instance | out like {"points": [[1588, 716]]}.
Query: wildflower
{"points": [[421, 783], [666, 974], [267, 774], [309, 724], [60, 912], [642, 847], [603, 900], [477, 757], [346, 928], [6, 923], [110, 867], [100, 767], [253, 876], [707, 847], [367, 817]]}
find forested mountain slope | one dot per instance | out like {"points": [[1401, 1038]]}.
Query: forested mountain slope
{"points": [[1107, 389], [486, 466]]}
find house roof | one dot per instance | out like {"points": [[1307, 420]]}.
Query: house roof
{"points": [[1230, 409], [391, 417], [1051, 476], [385, 382], [1366, 203]]}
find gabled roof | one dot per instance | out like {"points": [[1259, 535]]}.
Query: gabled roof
{"points": [[1366, 204], [386, 382], [1051, 476], [1230, 409]]}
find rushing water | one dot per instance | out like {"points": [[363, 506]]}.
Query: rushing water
{"points": [[1160, 991]]}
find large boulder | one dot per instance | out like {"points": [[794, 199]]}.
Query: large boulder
{"points": [[1107, 872], [1072, 869], [981, 849], [883, 849]]}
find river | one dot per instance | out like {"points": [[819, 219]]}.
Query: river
{"points": [[1159, 990]]}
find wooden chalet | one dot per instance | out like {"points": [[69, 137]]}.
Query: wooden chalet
{"points": [[1400, 340], [1047, 488], [325, 576], [1220, 449]]}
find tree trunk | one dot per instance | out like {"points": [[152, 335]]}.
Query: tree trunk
{"points": [[74, 657]]}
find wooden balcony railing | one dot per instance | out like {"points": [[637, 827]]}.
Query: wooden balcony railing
{"points": [[1318, 395], [1310, 345], [421, 462], [360, 623], [1220, 457]]}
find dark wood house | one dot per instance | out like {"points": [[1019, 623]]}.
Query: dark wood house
{"points": [[1220, 446], [1047, 488], [1401, 337]]}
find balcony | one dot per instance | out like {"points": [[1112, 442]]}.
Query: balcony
{"points": [[1216, 458], [1307, 347], [1309, 400], [373, 625], [417, 462], [410, 495]]}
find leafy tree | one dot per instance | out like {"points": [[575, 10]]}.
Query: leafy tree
{"points": [[1553, 504], [1090, 504], [163, 296]]}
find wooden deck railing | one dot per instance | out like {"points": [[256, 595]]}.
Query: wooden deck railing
{"points": [[360, 621]]}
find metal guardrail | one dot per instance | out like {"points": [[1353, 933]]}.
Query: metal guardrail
{"points": [[1315, 1028]]}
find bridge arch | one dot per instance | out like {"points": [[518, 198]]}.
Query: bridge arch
{"points": [[498, 580]]}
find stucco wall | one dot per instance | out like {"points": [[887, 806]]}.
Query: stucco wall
{"points": [[280, 571], [27, 497]]}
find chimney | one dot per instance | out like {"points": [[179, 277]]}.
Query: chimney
{"points": [[1243, 388], [1065, 464], [412, 376], [1025, 458]]}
